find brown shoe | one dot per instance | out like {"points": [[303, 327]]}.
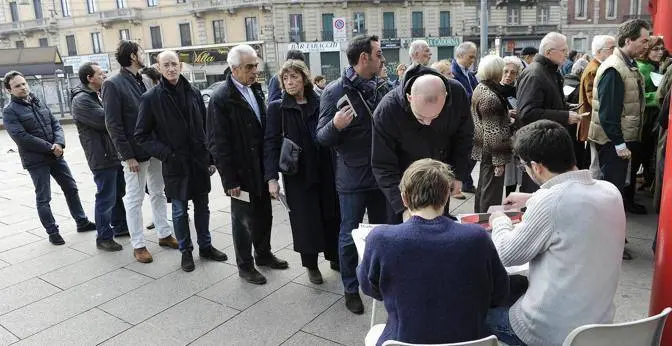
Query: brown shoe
{"points": [[142, 255], [168, 241]]}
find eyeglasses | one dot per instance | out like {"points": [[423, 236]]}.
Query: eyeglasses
{"points": [[522, 165], [657, 49], [609, 49]]}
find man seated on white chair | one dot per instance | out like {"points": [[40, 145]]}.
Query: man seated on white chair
{"points": [[437, 278], [572, 235]]}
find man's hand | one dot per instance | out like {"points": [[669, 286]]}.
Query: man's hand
{"points": [[212, 169], [513, 113], [499, 171], [625, 153], [516, 200], [457, 186], [574, 118], [495, 215], [57, 150], [273, 188], [133, 165], [235, 192], [343, 118], [406, 215]]}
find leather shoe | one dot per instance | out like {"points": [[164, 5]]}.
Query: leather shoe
{"points": [[212, 254], [89, 226], [187, 261], [142, 255], [315, 276], [272, 262], [469, 189], [334, 265], [627, 255], [108, 245], [252, 276], [168, 241], [56, 239], [354, 303], [634, 208]]}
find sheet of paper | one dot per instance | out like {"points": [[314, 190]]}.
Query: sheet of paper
{"points": [[656, 78], [283, 201], [244, 196], [495, 208], [567, 90]]}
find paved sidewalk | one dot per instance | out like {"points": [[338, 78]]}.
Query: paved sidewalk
{"points": [[78, 295]]}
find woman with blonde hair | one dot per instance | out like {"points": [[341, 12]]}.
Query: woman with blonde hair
{"points": [[310, 189], [444, 68]]}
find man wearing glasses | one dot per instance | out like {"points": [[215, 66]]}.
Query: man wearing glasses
{"points": [[540, 94]]}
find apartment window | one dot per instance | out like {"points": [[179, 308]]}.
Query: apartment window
{"points": [[152, 3], [181, 1], [581, 9], [327, 27], [155, 33], [580, 44], [635, 7], [121, 3], [218, 30], [125, 34], [251, 29], [19, 44], [71, 45], [417, 24], [543, 13], [37, 4], [44, 42], [513, 16], [389, 28], [91, 6], [611, 9], [359, 24], [185, 34], [444, 23], [14, 11], [296, 28], [97, 42], [65, 7]]}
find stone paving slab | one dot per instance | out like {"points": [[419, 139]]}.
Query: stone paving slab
{"points": [[305, 339], [37, 266], [22, 294], [6, 338]]}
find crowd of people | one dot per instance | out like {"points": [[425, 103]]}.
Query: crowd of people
{"points": [[569, 133]]}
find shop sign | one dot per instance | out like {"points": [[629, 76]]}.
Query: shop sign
{"points": [[203, 56], [447, 41], [390, 43], [308, 47], [103, 60]]}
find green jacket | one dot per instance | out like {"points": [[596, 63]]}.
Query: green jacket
{"points": [[645, 68]]}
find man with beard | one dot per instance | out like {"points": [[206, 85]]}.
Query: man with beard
{"points": [[121, 101]]}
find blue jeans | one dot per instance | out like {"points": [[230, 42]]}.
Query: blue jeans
{"points": [[498, 323], [109, 210], [42, 181], [353, 207], [201, 221]]}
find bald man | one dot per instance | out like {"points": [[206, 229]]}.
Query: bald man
{"points": [[429, 117], [171, 128]]}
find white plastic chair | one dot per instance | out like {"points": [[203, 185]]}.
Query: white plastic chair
{"points": [[489, 341], [644, 332]]}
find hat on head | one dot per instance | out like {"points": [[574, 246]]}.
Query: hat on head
{"points": [[529, 51]]}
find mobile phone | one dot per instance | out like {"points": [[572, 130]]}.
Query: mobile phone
{"points": [[345, 101]]}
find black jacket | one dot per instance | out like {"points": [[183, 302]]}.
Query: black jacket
{"points": [[171, 128], [353, 143], [540, 93], [236, 138], [89, 116], [399, 139], [121, 100], [574, 82], [34, 129]]}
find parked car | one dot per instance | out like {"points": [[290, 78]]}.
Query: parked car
{"points": [[207, 92]]}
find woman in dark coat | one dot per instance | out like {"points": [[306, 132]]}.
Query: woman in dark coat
{"points": [[311, 193]]}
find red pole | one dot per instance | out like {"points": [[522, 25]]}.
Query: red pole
{"points": [[661, 288]]}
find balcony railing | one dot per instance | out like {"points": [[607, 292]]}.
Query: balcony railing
{"points": [[133, 15], [516, 29], [646, 17], [28, 26], [418, 32], [544, 29], [327, 35], [199, 7], [445, 31], [297, 36], [389, 33], [361, 31], [492, 29]]}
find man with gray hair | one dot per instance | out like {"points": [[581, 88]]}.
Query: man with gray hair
{"points": [[419, 52], [540, 91], [236, 124]]}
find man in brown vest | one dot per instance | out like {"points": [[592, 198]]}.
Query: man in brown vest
{"points": [[618, 105]]}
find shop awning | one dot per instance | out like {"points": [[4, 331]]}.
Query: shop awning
{"points": [[31, 61]]}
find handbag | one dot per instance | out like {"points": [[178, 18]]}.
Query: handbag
{"points": [[289, 153]]}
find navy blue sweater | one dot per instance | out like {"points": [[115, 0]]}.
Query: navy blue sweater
{"points": [[437, 279]]}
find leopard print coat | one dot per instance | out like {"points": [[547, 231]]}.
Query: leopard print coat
{"points": [[492, 127]]}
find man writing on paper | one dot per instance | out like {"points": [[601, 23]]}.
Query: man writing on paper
{"points": [[540, 94], [574, 251], [235, 124]]}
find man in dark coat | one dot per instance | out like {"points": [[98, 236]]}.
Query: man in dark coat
{"points": [[429, 117], [40, 141], [171, 128], [236, 123], [348, 131], [540, 94], [89, 117], [121, 100]]}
